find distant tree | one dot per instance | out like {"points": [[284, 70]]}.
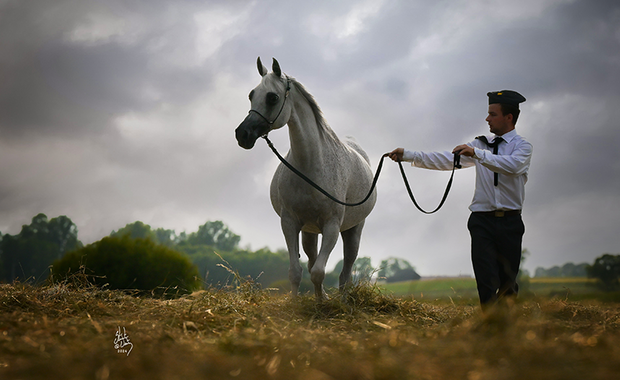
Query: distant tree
{"points": [[128, 263], [540, 272], [574, 270], [607, 270], [395, 269], [362, 270], [140, 230], [166, 237], [525, 253], [63, 232], [567, 270], [136, 230], [215, 234], [29, 254]]}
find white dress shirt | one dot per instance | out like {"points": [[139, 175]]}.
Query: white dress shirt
{"points": [[512, 162]]}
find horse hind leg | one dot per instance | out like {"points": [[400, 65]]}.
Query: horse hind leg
{"points": [[351, 242], [309, 243]]}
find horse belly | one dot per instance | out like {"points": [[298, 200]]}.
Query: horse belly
{"points": [[311, 209], [356, 214], [311, 228], [360, 180]]}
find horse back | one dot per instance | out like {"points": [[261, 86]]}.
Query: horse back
{"points": [[353, 144]]}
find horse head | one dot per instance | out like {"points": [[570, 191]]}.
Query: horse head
{"points": [[267, 109]]}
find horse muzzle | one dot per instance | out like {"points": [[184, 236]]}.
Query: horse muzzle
{"points": [[250, 129]]}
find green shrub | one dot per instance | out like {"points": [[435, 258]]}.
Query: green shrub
{"points": [[606, 269], [125, 263]]}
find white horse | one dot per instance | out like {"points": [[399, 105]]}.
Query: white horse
{"points": [[341, 168]]}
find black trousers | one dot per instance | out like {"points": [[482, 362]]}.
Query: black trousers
{"points": [[495, 254]]}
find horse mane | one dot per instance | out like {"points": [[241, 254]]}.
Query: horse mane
{"points": [[316, 110]]}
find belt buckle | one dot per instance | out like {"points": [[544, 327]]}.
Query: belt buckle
{"points": [[499, 213]]}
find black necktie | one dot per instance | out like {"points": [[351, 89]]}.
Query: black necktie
{"points": [[495, 146]]}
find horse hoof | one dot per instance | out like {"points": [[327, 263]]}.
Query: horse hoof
{"points": [[322, 298]]}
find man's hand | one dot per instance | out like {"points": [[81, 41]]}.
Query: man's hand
{"points": [[397, 154], [464, 150]]}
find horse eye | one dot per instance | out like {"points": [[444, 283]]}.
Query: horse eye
{"points": [[272, 98], [251, 95]]}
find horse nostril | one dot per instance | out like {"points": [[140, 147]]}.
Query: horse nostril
{"points": [[241, 134], [245, 137]]}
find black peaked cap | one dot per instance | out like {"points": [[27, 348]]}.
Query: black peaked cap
{"points": [[510, 97]]}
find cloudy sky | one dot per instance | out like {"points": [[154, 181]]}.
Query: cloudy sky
{"points": [[116, 111]]}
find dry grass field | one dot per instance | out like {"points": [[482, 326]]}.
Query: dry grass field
{"points": [[65, 331]]}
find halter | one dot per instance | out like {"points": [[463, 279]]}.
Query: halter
{"points": [[288, 88]]}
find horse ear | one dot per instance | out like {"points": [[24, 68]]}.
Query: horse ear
{"points": [[276, 68], [262, 70]]}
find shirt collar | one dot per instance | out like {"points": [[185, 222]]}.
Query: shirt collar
{"points": [[508, 136]]}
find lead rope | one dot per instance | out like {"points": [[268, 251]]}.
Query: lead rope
{"points": [[310, 182], [456, 164]]}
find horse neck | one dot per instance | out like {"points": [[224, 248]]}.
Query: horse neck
{"points": [[309, 139]]}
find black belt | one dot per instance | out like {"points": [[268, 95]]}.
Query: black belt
{"points": [[499, 213]]}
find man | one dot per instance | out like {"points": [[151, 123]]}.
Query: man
{"points": [[495, 225]]}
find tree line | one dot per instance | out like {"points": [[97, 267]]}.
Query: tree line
{"points": [[566, 270], [129, 255], [208, 257], [214, 249], [29, 254]]}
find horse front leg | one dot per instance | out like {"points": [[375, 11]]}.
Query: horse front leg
{"points": [[351, 242], [291, 236], [317, 273]]}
